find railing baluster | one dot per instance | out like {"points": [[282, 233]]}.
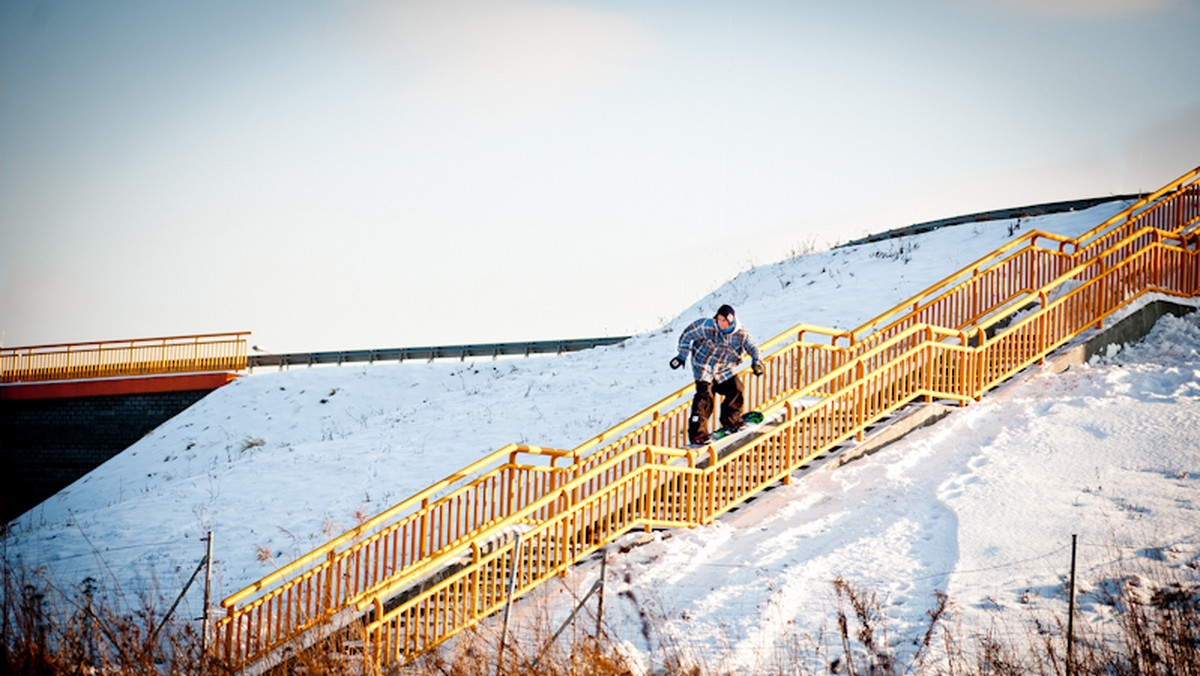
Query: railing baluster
{"points": [[108, 359]]}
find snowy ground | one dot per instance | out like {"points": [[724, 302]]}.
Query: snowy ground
{"points": [[982, 505]]}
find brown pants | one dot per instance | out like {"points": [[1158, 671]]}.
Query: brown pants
{"points": [[702, 406]]}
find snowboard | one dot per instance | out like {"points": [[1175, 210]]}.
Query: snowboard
{"points": [[749, 420]]}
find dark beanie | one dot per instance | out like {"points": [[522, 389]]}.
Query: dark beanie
{"points": [[726, 312]]}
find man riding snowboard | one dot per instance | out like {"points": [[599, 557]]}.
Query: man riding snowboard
{"points": [[716, 346]]}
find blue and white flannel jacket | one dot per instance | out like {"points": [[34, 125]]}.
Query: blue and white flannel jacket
{"points": [[715, 354]]}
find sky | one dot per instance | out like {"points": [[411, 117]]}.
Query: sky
{"points": [[366, 174], [981, 505]]}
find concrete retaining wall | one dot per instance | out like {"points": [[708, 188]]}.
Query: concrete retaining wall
{"points": [[45, 444]]}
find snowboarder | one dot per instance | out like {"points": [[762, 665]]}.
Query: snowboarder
{"points": [[716, 346]]}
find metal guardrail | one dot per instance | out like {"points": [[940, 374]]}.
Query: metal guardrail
{"points": [[994, 215], [400, 354]]}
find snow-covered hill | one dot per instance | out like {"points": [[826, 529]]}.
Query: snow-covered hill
{"points": [[982, 506], [279, 461]]}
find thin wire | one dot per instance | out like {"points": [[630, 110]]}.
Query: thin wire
{"points": [[1010, 564], [113, 549]]}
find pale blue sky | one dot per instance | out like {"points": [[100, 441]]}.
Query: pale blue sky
{"points": [[341, 175]]}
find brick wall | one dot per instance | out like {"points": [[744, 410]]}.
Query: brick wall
{"points": [[45, 444]]}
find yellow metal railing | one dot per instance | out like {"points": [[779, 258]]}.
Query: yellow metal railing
{"points": [[667, 488], [122, 358], [939, 343]]}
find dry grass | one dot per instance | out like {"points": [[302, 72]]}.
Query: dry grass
{"points": [[1153, 629], [48, 630]]}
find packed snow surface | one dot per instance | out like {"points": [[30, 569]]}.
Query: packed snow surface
{"points": [[981, 506]]}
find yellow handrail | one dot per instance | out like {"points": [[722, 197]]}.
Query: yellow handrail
{"points": [[919, 349], [203, 353], [660, 493], [1138, 211], [375, 522]]}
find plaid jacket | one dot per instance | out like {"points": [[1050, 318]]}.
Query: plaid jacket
{"points": [[715, 354]]}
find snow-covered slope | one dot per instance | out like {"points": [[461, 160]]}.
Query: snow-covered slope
{"points": [[981, 506], [279, 461]]}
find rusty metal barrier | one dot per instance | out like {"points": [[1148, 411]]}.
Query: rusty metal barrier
{"points": [[124, 358], [952, 341]]}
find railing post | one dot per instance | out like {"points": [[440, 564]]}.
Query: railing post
{"points": [[1043, 329], [929, 367], [422, 546], [228, 639], [789, 441], [691, 496], [859, 413], [963, 377], [380, 631], [472, 609], [980, 363], [327, 604], [709, 486], [648, 498], [512, 480]]}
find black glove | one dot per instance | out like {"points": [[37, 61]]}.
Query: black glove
{"points": [[757, 368], [676, 362]]}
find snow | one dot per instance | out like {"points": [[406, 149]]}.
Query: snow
{"points": [[981, 505]]}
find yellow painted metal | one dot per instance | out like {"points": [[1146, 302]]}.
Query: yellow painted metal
{"points": [[207, 353], [949, 342]]}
